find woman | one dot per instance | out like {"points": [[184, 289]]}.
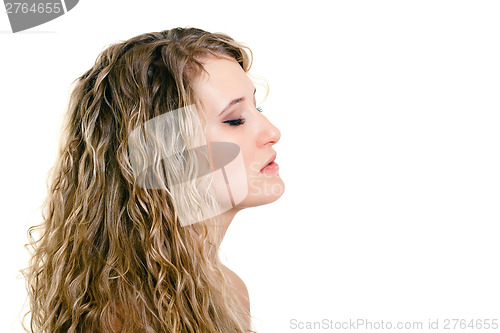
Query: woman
{"points": [[163, 144]]}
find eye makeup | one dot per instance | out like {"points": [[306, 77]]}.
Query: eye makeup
{"points": [[235, 122], [241, 120]]}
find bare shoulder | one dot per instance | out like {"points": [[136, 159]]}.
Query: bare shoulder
{"points": [[235, 278], [241, 297], [240, 286]]}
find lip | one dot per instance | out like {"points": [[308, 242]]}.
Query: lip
{"points": [[269, 161]]}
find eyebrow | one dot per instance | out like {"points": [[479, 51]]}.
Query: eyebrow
{"points": [[234, 102]]}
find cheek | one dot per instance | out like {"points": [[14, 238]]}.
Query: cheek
{"points": [[243, 168], [252, 165], [210, 134], [218, 133], [230, 177]]}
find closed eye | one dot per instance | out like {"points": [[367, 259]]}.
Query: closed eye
{"points": [[235, 122]]}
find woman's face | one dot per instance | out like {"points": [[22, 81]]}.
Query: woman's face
{"points": [[227, 97]]}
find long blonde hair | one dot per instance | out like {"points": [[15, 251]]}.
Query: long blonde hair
{"points": [[108, 248]]}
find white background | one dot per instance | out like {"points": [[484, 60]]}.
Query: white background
{"points": [[390, 119]]}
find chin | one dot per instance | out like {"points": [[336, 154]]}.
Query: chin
{"points": [[263, 193]]}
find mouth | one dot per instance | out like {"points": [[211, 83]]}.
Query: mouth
{"points": [[270, 163]]}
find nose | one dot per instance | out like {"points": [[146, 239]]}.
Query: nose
{"points": [[269, 134]]}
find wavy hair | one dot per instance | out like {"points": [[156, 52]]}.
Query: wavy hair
{"points": [[111, 255]]}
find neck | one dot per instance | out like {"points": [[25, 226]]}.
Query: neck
{"points": [[218, 230]]}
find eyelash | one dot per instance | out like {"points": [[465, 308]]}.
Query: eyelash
{"points": [[235, 122], [240, 121]]}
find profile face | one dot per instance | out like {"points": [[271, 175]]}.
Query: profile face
{"points": [[227, 98]]}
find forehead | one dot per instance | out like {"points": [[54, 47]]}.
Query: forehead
{"points": [[226, 80]]}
